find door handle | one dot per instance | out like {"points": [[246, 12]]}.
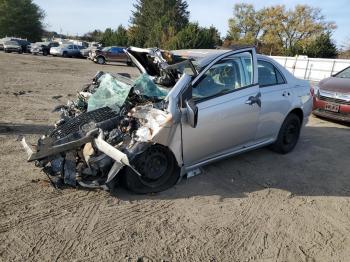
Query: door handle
{"points": [[286, 93], [254, 100]]}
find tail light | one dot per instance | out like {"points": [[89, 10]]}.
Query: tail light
{"points": [[312, 90]]}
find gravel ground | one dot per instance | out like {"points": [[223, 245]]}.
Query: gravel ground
{"points": [[259, 206]]}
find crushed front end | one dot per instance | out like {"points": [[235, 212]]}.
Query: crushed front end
{"points": [[117, 124], [111, 121]]}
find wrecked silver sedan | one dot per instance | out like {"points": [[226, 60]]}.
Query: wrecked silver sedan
{"points": [[180, 114]]}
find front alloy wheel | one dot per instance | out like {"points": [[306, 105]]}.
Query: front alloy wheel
{"points": [[158, 168]]}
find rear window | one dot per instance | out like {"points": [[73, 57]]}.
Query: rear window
{"points": [[11, 43]]}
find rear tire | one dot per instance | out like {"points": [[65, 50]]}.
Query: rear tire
{"points": [[288, 135], [158, 168], [45, 53]]}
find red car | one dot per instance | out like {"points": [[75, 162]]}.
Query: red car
{"points": [[331, 98], [109, 54]]}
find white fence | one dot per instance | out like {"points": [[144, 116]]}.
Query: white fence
{"points": [[314, 69]]}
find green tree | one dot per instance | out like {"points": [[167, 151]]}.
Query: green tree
{"points": [[194, 36], [322, 47], [245, 26], [94, 36], [107, 38], [21, 18], [121, 36], [155, 22], [118, 37], [295, 28], [277, 30]]}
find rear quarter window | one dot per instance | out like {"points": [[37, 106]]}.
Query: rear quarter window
{"points": [[268, 74]]}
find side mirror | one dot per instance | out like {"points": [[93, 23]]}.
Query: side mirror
{"points": [[192, 113]]}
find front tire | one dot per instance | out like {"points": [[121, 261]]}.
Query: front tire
{"points": [[65, 54], [100, 60], [288, 135], [158, 168]]}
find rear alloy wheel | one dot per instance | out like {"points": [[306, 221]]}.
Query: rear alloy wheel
{"points": [[158, 168], [100, 60], [288, 135]]}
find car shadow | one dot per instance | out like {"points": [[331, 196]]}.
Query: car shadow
{"points": [[333, 121], [116, 64], [23, 129], [318, 166]]}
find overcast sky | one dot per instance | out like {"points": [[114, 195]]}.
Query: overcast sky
{"points": [[81, 16]]}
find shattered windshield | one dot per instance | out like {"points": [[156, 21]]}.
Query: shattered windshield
{"points": [[145, 86], [111, 92]]}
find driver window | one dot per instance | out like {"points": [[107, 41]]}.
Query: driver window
{"points": [[228, 75]]}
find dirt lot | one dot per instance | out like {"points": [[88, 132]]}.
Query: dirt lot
{"points": [[259, 206]]}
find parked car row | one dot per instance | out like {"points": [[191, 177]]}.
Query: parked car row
{"points": [[46, 48], [43, 48], [10, 44], [93, 52]]}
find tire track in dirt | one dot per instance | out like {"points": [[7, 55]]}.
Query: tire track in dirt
{"points": [[14, 245], [82, 220], [68, 245], [129, 217], [51, 208]]}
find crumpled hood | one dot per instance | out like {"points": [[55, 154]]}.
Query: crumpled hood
{"points": [[335, 84], [147, 60]]}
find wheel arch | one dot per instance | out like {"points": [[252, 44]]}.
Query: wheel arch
{"points": [[298, 112], [97, 57]]}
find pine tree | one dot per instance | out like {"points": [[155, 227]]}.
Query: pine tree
{"points": [[155, 22], [322, 47], [21, 18]]}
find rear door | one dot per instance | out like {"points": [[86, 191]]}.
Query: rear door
{"points": [[276, 99], [70, 49], [227, 115], [116, 54]]}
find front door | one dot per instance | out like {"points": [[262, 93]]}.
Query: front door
{"points": [[228, 100]]}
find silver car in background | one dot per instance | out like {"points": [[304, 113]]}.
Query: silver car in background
{"points": [[66, 50], [175, 118], [12, 46]]}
